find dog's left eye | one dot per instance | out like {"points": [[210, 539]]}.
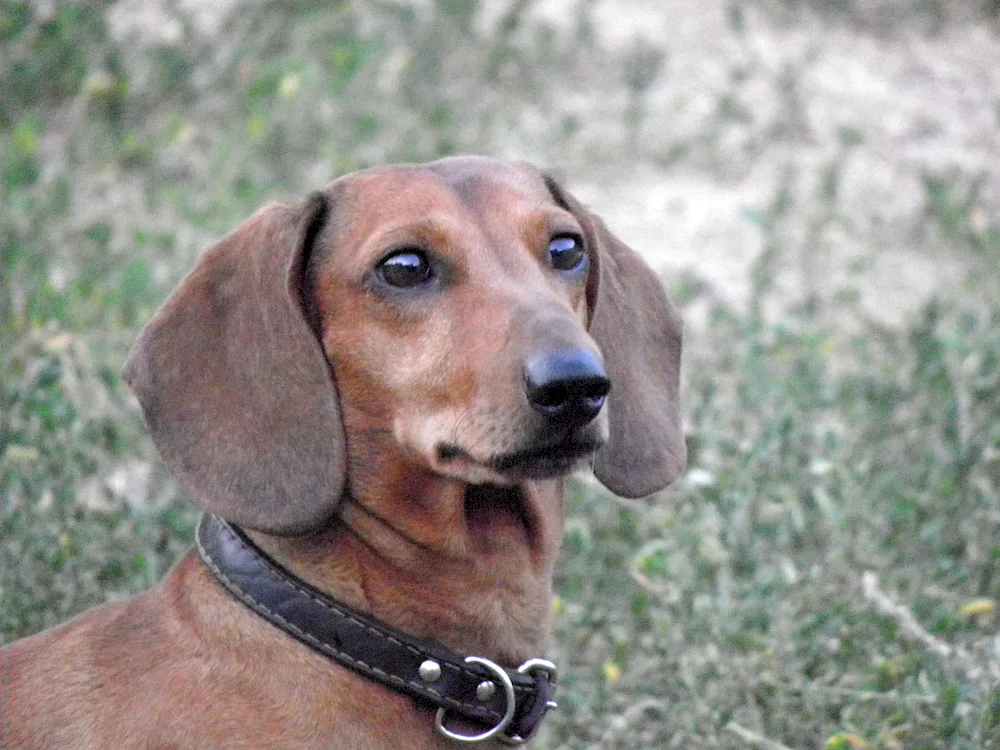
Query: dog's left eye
{"points": [[405, 269], [566, 252]]}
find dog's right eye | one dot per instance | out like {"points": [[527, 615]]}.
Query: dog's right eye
{"points": [[405, 269], [566, 252]]}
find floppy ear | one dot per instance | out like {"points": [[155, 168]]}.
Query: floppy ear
{"points": [[233, 383], [639, 332]]}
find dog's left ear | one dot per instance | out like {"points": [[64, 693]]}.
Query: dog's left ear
{"points": [[639, 332]]}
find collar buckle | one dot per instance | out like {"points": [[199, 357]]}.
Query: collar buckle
{"points": [[546, 675]]}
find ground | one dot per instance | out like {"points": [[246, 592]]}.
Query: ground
{"points": [[774, 101]]}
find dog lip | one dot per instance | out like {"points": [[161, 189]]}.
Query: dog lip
{"points": [[544, 461], [566, 452]]}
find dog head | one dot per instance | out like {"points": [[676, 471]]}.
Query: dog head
{"points": [[469, 313]]}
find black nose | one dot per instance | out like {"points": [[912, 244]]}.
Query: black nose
{"points": [[567, 385]]}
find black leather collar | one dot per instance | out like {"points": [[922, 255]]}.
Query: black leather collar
{"points": [[508, 704]]}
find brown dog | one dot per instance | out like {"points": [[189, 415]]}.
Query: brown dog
{"points": [[384, 388]]}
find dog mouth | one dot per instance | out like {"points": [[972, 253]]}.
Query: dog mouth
{"points": [[546, 461]]}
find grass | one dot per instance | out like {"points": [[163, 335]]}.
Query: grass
{"points": [[825, 575]]}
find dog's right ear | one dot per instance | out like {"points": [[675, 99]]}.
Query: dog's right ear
{"points": [[234, 385]]}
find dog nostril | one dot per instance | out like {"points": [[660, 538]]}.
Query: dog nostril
{"points": [[559, 393], [568, 384], [597, 388], [549, 397]]}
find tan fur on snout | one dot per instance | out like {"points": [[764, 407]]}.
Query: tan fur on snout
{"points": [[376, 440]]}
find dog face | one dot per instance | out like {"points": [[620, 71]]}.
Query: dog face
{"points": [[441, 294]]}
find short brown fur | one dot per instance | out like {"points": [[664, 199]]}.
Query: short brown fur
{"points": [[293, 395]]}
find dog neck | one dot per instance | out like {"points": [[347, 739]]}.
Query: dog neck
{"points": [[467, 565]]}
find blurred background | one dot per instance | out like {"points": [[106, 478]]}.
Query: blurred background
{"points": [[818, 181]]}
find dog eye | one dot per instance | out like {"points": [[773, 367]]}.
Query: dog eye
{"points": [[405, 269], [566, 252]]}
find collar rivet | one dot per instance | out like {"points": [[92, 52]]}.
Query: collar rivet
{"points": [[430, 671], [486, 690]]}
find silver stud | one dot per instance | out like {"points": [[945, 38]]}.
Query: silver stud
{"points": [[430, 671], [486, 690]]}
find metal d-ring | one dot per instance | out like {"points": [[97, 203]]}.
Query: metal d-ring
{"points": [[508, 688], [530, 667]]}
